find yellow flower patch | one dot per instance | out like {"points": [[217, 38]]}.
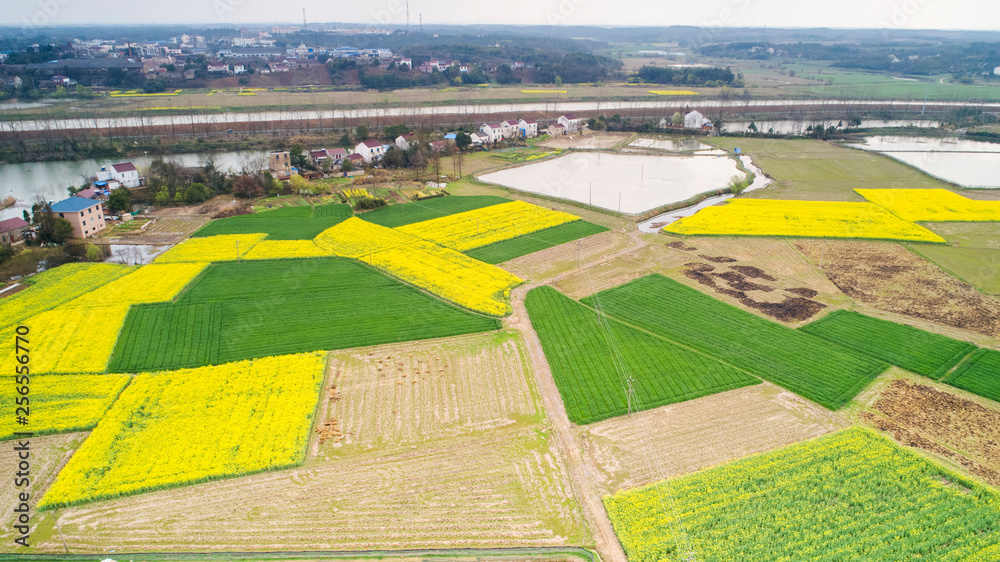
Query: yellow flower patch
{"points": [[488, 225], [225, 247], [77, 340], [819, 219], [148, 284], [282, 249], [63, 403], [357, 192], [56, 286], [450, 275], [929, 205], [192, 425], [355, 238]]}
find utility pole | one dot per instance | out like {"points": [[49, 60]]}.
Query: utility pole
{"points": [[421, 23], [304, 25], [407, 17]]}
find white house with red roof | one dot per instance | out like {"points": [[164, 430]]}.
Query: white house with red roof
{"points": [[337, 155], [570, 122], [218, 67], [403, 141], [124, 174], [371, 150], [438, 146], [556, 130], [528, 128], [493, 131], [509, 129]]}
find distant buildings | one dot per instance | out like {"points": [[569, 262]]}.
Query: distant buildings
{"points": [[85, 215]]}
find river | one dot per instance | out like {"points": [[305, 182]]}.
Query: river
{"points": [[50, 179]]}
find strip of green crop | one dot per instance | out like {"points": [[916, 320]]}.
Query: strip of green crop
{"points": [[581, 356], [809, 366], [979, 374], [243, 310], [913, 349], [852, 495], [419, 211], [537, 241]]}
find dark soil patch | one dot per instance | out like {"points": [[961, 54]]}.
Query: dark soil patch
{"points": [[803, 292], [717, 259], [753, 272], [737, 281], [792, 309], [233, 211], [679, 245], [702, 267]]}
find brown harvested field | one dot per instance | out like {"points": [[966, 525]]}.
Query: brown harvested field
{"points": [[648, 446], [48, 454], [588, 140], [937, 419], [394, 396], [505, 487], [163, 231], [887, 276], [621, 269], [545, 265]]}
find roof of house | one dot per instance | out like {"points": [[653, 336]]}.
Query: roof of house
{"points": [[558, 125], [529, 121], [336, 152], [73, 205], [408, 136], [372, 143], [437, 143], [451, 136], [124, 167], [89, 193], [12, 224], [492, 125], [322, 153], [356, 156], [569, 116]]}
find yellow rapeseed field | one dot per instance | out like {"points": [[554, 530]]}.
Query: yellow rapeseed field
{"points": [[928, 205], [481, 227], [282, 249], [150, 283], [56, 286], [357, 192], [450, 275], [355, 238], [77, 340], [211, 248], [63, 403], [188, 426], [820, 219]]}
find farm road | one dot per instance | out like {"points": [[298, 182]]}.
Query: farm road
{"points": [[583, 481]]}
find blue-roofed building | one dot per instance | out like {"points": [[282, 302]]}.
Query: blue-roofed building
{"points": [[86, 215]]}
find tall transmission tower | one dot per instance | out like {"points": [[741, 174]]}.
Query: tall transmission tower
{"points": [[304, 25], [421, 23], [407, 16]]}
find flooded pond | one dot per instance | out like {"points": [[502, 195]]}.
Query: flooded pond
{"points": [[671, 145], [134, 254], [803, 126], [50, 179], [967, 163], [656, 223], [627, 183]]}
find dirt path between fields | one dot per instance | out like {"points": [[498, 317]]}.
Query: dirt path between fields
{"points": [[582, 480]]}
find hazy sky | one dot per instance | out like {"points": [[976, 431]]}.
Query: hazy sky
{"points": [[904, 14]]}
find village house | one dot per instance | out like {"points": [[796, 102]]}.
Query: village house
{"points": [[403, 141], [450, 139], [528, 128], [493, 132], [695, 120], [317, 157], [570, 122], [124, 174], [371, 150], [85, 215], [239, 68], [336, 155], [280, 164], [220, 67], [280, 67], [556, 130], [12, 230], [479, 138], [438, 146], [509, 129], [95, 193], [356, 159]]}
